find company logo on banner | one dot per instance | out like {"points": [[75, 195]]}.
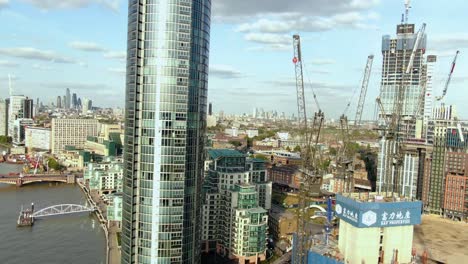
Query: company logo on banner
{"points": [[395, 218], [346, 213], [378, 214], [369, 218]]}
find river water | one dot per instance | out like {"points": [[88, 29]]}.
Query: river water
{"points": [[52, 240]]}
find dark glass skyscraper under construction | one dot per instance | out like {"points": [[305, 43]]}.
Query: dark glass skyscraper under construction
{"points": [[166, 97]]}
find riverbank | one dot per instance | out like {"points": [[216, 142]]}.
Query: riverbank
{"points": [[71, 239], [112, 247]]}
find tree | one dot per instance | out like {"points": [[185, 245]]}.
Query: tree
{"points": [[297, 148], [53, 164], [235, 143], [5, 139], [261, 156], [333, 151], [288, 149]]}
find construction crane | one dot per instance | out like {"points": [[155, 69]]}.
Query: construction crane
{"points": [[364, 85], [438, 98], [297, 60], [311, 177], [344, 159]]}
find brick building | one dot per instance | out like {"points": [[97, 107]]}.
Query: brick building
{"points": [[456, 195], [285, 175], [281, 223]]}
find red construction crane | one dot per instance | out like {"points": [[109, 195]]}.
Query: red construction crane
{"points": [[438, 98], [311, 175]]}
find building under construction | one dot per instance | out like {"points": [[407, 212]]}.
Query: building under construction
{"points": [[405, 101]]}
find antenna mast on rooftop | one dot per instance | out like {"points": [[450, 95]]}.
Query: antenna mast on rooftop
{"points": [[407, 8]]}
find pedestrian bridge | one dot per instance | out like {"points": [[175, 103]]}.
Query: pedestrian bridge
{"points": [[62, 209]]}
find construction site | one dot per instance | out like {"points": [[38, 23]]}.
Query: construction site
{"points": [[378, 227]]}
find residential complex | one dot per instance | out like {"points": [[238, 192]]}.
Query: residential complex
{"points": [[236, 200], [165, 122], [104, 177], [447, 162], [72, 132]]}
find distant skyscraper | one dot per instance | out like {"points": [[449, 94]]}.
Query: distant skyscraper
{"points": [[15, 111], [90, 104], [210, 109], [74, 101], [79, 102], [36, 109], [3, 117], [28, 108], [67, 99], [64, 101], [165, 122], [59, 102], [85, 106]]}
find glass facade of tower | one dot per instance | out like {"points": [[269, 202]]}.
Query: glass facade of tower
{"points": [[166, 102]]}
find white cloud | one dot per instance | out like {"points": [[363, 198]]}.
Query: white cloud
{"points": [[268, 38], [36, 54], [6, 64], [70, 4], [87, 46], [4, 3], [118, 71], [270, 47], [274, 31], [364, 4], [42, 67], [323, 61], [240, 10], [224, 72], [449, 42], [121, 55]]}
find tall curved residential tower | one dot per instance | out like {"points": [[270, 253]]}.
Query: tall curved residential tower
{"points": [[166, 102]]}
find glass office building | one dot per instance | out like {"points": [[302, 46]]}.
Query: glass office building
{"points": [[166, 102]]}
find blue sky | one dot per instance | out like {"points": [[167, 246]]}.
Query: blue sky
{"points": [[49, 45]]}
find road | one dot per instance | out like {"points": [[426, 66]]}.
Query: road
{"points": [[286, 258]]}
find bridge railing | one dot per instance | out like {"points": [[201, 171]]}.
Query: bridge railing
{"points": [[62, 209]]}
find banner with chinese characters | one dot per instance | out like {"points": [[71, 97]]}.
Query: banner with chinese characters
{"points": [[377, 214]]}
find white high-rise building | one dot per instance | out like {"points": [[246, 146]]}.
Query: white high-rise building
{"points": [[3, 117], [165, 123], [85, 106], [15, 111]]}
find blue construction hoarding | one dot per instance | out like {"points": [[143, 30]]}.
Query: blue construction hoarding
{"points": [[316, 258], [377, 214]]}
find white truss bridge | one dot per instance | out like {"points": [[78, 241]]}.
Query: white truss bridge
{"points": [[62, 209]]}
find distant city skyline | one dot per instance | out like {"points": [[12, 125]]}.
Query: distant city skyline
{"points": [[88, 51]]}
